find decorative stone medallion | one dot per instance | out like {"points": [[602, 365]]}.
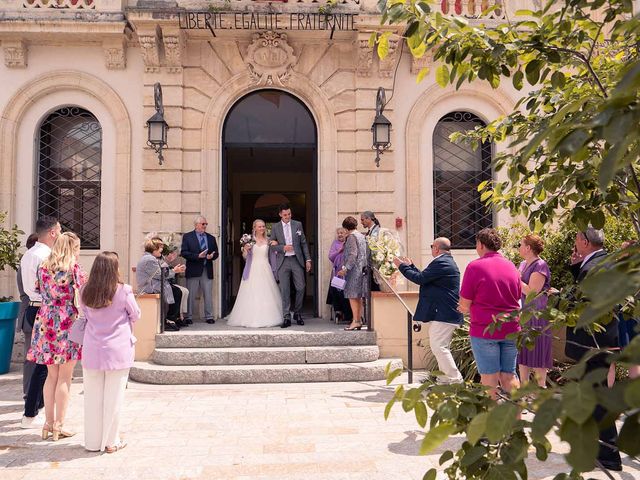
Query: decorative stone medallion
{"points": [[270, 58]]}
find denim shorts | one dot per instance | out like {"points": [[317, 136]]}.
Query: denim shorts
{"points": [[494, 356]]}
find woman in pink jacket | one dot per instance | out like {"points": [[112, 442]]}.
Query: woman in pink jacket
{"points": [[110, 309]]}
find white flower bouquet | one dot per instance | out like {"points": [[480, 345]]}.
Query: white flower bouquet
{"points": [[384, 248], [247, 239]]}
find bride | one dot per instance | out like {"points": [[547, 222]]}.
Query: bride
{"points": [[258, 303]]}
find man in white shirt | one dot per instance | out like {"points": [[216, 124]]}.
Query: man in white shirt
{"points": [[47, 229]]}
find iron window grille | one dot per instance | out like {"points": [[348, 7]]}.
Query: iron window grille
{"points": [[458, 170], [69, 171]]}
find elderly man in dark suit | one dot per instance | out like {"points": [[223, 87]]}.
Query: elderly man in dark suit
{"points": [[292, 258], [438, 303], [588, 252], [199, 249]]}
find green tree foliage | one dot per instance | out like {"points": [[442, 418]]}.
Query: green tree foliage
{"points": [[572, 160]]}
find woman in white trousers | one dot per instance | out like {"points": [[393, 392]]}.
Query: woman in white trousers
{"points": [[108, 351]]}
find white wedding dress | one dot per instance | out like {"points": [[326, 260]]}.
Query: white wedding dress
{"points": [[258, 303]]}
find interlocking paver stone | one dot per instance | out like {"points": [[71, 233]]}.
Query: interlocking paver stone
{"points": [[329, 431]]}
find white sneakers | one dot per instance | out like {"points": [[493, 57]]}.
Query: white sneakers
{"points": [[33, 422]]}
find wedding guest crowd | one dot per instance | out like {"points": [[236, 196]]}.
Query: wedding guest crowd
{"points": [[54, 292]]}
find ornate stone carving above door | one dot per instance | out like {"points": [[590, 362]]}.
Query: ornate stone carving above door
{"points": [[270, 58]]}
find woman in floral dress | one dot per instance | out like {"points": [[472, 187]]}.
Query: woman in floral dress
{"points": [[59, 277]]}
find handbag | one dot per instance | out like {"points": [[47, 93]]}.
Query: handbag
{"points": [[338, 282], [76, 332]]}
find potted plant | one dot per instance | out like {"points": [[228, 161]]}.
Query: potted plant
{"points": [[9, 257]]}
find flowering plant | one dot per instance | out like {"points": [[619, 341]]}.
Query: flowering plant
{"points": [[170, 244], [384, 247], [247, 239]]}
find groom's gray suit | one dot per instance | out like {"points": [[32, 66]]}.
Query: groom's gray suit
{"points": [[293, 265]]}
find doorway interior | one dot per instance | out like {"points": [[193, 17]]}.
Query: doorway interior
{"points": [[269, 157]]}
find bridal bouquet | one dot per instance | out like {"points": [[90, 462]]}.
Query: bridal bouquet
{"points": [[246, 239], [384, 248]]}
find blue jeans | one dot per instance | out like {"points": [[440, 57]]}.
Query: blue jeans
{"points": [[494, 356]]}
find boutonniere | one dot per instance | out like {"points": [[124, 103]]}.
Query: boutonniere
{"points": [[299, 233]]}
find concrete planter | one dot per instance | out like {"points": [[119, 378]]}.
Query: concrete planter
{"points": [[8, 315]]}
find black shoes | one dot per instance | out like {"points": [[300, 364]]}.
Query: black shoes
{"points": [[298, 318], [211, 321], [188, 321], [171, 326], [613, 466], [286, 322]]}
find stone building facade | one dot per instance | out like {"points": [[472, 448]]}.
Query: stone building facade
{"points": [[265, 101]]}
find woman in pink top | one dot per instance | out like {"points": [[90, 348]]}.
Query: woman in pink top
{"points": [[110, 309], [490, 290]]}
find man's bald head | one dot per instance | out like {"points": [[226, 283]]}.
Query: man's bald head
{"points": [[443, 243], [440, 245]]}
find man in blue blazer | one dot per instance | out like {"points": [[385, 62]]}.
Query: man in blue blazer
{"points": [[199, 249], [438, 303]]}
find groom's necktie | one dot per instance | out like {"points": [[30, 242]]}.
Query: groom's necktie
{"points": [[288, 238]]}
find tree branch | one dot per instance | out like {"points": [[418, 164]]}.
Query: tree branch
{"points": [[595, 41]]}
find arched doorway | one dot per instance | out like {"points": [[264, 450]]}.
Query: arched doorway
{"points": [[269, 156]]}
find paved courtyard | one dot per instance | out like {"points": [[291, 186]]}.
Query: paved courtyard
{"points": [[324, 431]]}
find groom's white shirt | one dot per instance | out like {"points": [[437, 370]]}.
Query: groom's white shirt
{"points": [[286, 228]]}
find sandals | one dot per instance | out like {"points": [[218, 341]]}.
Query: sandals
{"points": [[58, 432], [47, 430], [116, 447], [352, 327]]}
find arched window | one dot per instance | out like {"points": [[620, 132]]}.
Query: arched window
{"points": [[69, 169], [458, 170]]}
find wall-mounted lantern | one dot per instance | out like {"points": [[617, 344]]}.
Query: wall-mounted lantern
{"points": [[157, 126], [381, 127]]}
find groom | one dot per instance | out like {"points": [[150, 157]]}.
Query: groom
{"points": [[288, 242]]}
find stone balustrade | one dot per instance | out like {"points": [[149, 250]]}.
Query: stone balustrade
{"points": [[60, 4], [472, 8]]}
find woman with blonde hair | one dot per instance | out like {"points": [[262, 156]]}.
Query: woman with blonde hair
{"points": [[59, 280], [258, 303], [110, 309]]}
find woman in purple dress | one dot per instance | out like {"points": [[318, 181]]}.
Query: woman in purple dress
{"points": [[335, 297], [536, 277]]}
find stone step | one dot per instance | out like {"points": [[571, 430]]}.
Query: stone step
{"points": [[265, 355], [268, 338], [146, 372]]}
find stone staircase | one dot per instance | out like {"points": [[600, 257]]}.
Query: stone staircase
{"points": [[222, 356]]}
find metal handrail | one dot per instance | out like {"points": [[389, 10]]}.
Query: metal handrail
{"points": [[410, 315], [162, 312]]}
